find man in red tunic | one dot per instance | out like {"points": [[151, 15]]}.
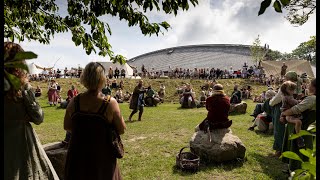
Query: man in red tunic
{"points": [[72, 93], [218, 106]]}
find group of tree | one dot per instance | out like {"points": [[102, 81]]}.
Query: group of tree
{"points": [[305, 51]]}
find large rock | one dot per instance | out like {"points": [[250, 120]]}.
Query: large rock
{"points": [[240, 108], [57, 155], [224, 146]]}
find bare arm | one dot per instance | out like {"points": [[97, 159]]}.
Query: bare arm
{"points": [[117, 118], [276, 99], [305, 104], [67, 117]]}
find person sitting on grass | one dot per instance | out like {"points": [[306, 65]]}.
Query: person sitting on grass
{"points": [[236, 96], [202, 99], [150, 94], [126, 96], [187, 98], [263, 113], [106, 90], [114, 84], [218, 106], [38, 92], [288, 101], [119, 96]]}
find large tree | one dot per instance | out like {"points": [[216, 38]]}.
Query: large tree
{"points": [[306, 50], [298, 11], [273, 55], [39, 20]]}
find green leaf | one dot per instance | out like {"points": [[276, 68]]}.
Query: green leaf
{"points": [[277, 6], [304, 175], [312, 160], [298, 172], [13, 80], [301, 133], [24, 55], [309, 167], [307, 152], [285, 2], [16, 64], [264, 5], [291, 155]]}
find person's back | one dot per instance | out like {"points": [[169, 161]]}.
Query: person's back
{"points": [[90, 153], [24, 157], [106, 90], [236, 97], [218, 107]]}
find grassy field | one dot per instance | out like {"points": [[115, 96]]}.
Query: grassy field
{"points": [[152, 144]]}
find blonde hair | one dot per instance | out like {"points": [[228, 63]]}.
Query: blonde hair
{"points": [[288, 85], [93, 76]]}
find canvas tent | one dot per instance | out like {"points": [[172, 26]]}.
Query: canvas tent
{"points": [[129, 70], [299, 66], [33, 69]]}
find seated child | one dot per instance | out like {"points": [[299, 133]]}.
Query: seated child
{"points": [[288, 89]]}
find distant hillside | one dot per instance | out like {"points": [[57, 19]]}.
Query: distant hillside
{"points": [[170, 85]]}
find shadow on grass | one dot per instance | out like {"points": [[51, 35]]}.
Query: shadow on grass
{"points": [[185, 108], [236, 114], [132, 121], [205, 166], [264, 134], [48, 106], [271, 166]]}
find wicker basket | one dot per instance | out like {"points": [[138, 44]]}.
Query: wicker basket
{"points": [[187, 160]]}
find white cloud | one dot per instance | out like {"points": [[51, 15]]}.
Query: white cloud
{"points": [[211, 22]]}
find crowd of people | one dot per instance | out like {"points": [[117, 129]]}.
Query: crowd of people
{"points": [[287, 110], [92, 127], [254, 73], [50, 73]]}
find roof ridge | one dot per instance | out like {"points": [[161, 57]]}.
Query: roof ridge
{"points": [[190, 46]]}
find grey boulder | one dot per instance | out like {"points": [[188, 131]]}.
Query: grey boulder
{"points": [[57, 155], [240, 108], [224, 146]]}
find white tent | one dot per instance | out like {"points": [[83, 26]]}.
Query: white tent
{"points": [[33, 69], [126, 67]]}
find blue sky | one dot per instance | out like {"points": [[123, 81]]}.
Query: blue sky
{"points": [[211, 22]]}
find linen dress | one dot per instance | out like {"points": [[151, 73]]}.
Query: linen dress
{"points": [[24, 157]]}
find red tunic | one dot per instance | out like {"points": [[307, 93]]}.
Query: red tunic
{"points": [[72, 93], [218, 108]]}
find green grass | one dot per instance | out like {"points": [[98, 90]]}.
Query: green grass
{"points": [[152, 144]]}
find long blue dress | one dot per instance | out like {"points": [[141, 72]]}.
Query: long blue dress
{"points": [[278, 127]]}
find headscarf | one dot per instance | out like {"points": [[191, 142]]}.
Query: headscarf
{"points": [[270, 93], [291, 76]]}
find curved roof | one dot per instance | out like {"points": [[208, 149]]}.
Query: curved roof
{"points": [[195, 56]]}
